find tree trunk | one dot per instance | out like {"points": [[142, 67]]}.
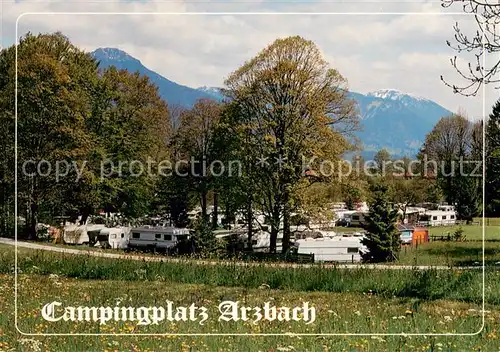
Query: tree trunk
{"points": [[4, 207], [274, 237], [27, 219], [229, 217], [275, 227], [215, 214], [33, 221], [286, 227], [249, 223], [286, 220], [85, 215], [204, 204]]}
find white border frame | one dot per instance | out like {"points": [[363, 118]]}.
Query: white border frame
{"points": [[248, 14]]}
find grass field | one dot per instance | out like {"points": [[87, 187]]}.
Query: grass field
{"points": [[471, 232], [356, 301], [348, 301], [488, 221], [454, 253], [462, 285], [451, 253], [337, 313]]}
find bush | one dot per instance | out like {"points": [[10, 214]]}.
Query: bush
{"points": [[458, 235], [205, 243]]}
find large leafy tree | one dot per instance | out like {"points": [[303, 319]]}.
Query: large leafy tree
{"points": [[382, 160], [453, 149], [383, 239], [291, 106], [355, 183], [196, 142], [70, 114], [54, 91], [314, 203], [408, 192], [240, 183], [173, 197], [133, 135], [7, 166]]}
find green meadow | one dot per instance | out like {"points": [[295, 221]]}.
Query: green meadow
{"points": [[348, 301]]}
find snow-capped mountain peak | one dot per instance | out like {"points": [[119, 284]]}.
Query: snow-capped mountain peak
{"points": [[209, 89], [214, 92], [112, 54], [394, 94]]}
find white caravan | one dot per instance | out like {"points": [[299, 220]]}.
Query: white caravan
{"points": [[446, 208], [261, 241], [114, 237], [332, 249], [158, 238], [356, 219], [438, 218], [79, 234], [342, 215]]}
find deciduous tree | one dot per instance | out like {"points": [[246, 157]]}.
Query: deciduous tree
{"points": [[54, 90], [293, 106], [455, 147], [196, 140], [133, 134]]}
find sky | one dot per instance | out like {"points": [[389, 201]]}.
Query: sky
{"points": [[373, 51]]}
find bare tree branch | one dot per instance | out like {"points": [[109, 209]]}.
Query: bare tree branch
{"points": [[485, 41]]}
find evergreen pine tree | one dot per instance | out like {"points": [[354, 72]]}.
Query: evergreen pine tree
{"points": [[493, 162], [383, 238]]}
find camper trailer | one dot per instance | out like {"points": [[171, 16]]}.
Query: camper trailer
{"points": [[438, 218], [362, 207], [356, 219], [342, 216], [411, 215], [156, 238], [332, 249], [80, 234], [446, 208], [261, 241], [114, 237]]}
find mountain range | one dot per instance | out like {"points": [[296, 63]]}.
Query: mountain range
{"points": [[390, 119], [172, 92]]}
